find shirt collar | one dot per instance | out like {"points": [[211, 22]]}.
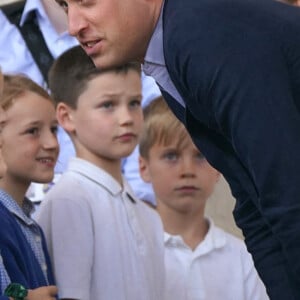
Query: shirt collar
{"points": [[21, 213], [42, 19], [33, 5], [155, 51], [214, 239], [100, 177]]}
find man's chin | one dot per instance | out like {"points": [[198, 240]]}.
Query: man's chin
{"points": [[103, 62], [108, 61]]}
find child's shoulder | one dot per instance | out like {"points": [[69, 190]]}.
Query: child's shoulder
{"points": [[149, 216], [5, 216], [81, 184], [67, 184], [8, 224], [231, 241]]}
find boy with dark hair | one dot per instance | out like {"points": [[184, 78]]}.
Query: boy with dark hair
{"points": [[105, 244]]}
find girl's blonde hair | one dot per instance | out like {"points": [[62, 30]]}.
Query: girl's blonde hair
{"points": [[15, 86]]}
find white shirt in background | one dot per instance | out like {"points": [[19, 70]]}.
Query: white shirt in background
{"points": [[220, 268]]}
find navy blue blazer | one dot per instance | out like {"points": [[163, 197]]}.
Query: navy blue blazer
{"points": [[18, 258], [236, 64]]}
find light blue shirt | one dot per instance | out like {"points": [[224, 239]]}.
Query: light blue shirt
{"points": [[154, 63], [15, 56]]}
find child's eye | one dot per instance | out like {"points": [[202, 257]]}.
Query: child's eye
{"points": [[54, 129], [32, 131], [171, 156], [135, 103], [107, 105]]}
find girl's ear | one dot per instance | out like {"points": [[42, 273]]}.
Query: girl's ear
{"points": [[144, 169], [64, 117]]}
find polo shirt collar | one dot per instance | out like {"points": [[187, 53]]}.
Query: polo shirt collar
{"points": [[100, 177], [214, 239]]}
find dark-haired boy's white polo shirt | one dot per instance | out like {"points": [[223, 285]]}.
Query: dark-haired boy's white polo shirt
{"points": [[104, 243]]}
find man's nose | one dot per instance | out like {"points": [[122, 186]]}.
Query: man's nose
{"points": [[76, 20]]}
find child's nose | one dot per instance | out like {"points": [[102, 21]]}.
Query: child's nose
{"points": [[187, 167], [50, 141], [126, 117]]}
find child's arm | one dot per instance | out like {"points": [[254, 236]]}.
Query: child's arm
{"points": [[44, 292]]}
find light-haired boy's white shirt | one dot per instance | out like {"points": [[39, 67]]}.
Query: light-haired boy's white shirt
{"points": [[104, 244], [220, 268]]}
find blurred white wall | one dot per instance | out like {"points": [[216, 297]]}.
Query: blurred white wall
{"points": [[220, 206]]}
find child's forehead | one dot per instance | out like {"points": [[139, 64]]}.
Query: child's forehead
{"points": [[114, 82], [176, 141], [27, 99]]}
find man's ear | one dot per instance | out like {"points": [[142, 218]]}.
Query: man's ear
{"points": [[64, 115], [144, 169]]}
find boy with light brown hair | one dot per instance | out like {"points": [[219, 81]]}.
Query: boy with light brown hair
{"points": [[202, 261]]}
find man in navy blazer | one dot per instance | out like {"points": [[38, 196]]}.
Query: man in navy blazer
{"points": [[230, 71]]}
